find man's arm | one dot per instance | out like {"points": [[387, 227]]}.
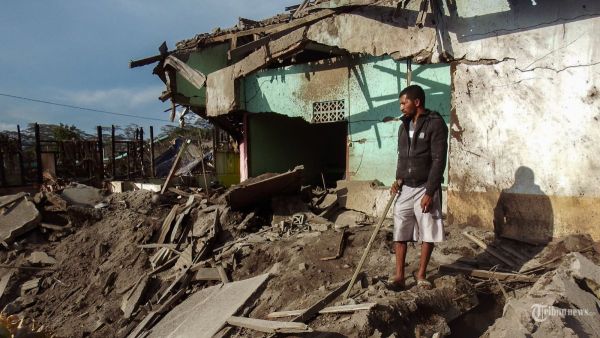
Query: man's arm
{"points": [[439, 151]]}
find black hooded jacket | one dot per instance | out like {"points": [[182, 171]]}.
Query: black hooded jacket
{"points": [[423, 161]]}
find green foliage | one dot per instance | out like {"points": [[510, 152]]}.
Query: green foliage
{"points": [[64, 132], [198, 129]]}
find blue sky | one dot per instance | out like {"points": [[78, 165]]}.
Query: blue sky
{"points": [[77, 52]]}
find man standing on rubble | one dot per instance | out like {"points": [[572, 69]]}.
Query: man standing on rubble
{"points": [[422, 148]]}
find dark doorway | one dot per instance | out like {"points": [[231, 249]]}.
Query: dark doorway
{"points": [[278, 143]]}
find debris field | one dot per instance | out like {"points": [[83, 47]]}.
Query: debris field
{"points": [[269, 257]]}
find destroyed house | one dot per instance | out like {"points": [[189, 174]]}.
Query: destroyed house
{"points": [[318, 86]]}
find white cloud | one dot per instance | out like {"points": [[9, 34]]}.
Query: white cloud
{"points": [[8, 126], [117, 99]]}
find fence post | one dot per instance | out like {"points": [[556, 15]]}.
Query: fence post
{"points": [[20, 146], [38, 154], [153, 173], [113, 156], [100, 153]]}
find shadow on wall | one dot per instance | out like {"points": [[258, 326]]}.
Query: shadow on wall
{"points": [[472, 23], [523, 212], [437, 93]]}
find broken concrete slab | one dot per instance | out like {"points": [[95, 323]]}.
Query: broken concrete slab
{"points": [[9, 200], [41, 258], [558, 304], [21, 217], [83, 195], [351, 218], [245, 195], [369, 197], [205, 312]]}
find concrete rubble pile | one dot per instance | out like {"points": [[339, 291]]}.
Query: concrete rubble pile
{"points": [[269, 256]]}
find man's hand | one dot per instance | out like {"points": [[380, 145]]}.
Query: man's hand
{"points": [[396, 187], [426, 202]]}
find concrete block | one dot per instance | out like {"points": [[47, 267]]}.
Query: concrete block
{"points": [[82, 195], [18, 218]]}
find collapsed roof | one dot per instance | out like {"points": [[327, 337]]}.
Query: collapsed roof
{"points": [[201, 72]]}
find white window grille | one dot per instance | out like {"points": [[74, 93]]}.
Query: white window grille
{"points": [[329, 111]]}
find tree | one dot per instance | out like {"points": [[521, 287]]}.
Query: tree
{"points": [[64, 132]]}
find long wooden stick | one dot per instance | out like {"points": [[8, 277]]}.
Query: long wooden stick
{"points": [[368, 248], [490, 250], [174, 167]]}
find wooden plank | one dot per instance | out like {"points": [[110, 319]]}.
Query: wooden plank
{"points": [[501, 276], [331, 309], [175, 164], [157, 246], [180, 192], [490, 250], [145, 61], [268, 326], [132, 299], [4, 280], [207, 274], [300, 8], [167, 224], [223, 274], [312, 311], [196, 78], [277, 32], [55, 227]]}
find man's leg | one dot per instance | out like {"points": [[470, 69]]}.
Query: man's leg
{"points": [[426, 249], [400, 248]]}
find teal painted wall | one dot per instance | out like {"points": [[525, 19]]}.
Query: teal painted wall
{"points": [[370, 90], [206, 61]]}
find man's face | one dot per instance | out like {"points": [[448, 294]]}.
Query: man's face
{"points": [[408, 106]]}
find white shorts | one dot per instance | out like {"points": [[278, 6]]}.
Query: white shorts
{"points": [[411, 224]]}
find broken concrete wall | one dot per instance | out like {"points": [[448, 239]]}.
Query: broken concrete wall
{"points": [[379, 29], [368, 87], [524, 138], [222, 95], [206, 61]]}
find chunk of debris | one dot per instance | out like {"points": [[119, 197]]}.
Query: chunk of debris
{"points": [[30, 285], [268, 326], [248, 194], [368, 197], [83, 195], [56, 200], [195, 318], [559, 304], [340, 249], [6, 275], [351, 218], [19, 217], [41, 258], [132, 299]]}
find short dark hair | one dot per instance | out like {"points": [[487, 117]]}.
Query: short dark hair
{"points": [[414, 92]]}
